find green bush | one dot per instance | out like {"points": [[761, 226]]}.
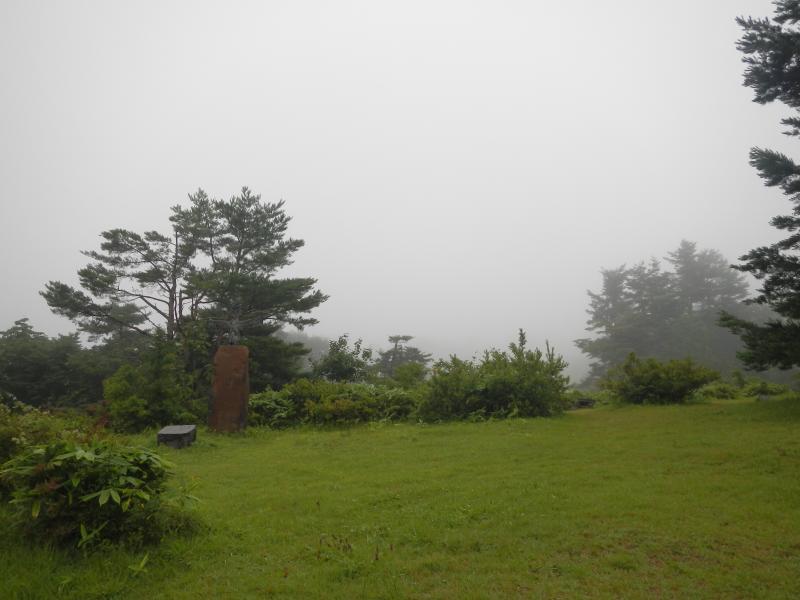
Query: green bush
{"points": [[349, 406], [453, 391], [649, 381], [74, 494], [717, 390], [409, 375], [343, 363], [22, 426], [519, 382], [758, 387], [157, 392], [395, 404], [326, 402], [272, 409]]}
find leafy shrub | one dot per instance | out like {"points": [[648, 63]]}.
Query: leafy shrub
{"points": [[349, 406], [649, 381], [519, 382], [759, 387], [157, 392], [342, 363], [396, 403], [272, 409], [409, 375], [717, 390], [22, 425], [82, 494], [453, 390], [329, 402]]}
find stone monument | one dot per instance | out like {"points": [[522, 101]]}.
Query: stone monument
{"points": [[231, 389]]}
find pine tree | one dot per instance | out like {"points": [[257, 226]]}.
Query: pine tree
{"points": [[771, 51], [217, 266], [212, 279]]}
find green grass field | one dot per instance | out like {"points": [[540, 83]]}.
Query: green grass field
{"points": [[699, 501]]}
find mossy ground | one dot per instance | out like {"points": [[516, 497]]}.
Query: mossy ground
{"points": [[698, 501]]}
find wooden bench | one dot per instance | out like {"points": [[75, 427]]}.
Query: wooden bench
{"points": [[177, 436]]}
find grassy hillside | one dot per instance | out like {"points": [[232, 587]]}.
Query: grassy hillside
{"points": [[697, 501]]}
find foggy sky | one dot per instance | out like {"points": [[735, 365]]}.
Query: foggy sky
{"points": [[457, 169]]}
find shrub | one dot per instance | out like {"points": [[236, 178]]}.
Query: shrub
{"points": [[409, 375], [649, 381], [397, 404], [759, 387], [272, 409], [343, 363], [717, 390], [75, 494], [453, 390], [519, 382], [329, 402], [350, 406], [22, 425], [157, 392]]}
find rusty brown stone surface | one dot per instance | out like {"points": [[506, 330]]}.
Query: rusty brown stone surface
{"points": [[231, 389]]}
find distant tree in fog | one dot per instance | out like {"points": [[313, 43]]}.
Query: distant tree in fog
{"points": [[400, 354], [665, 314]]}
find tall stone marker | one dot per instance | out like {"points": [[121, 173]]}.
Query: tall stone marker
{"points": [[231, 389]]}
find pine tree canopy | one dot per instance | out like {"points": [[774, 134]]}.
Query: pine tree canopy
{"points": [[771, 51], [216, 267]]}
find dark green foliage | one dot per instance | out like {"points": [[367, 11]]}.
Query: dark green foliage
{"points": [[453, 390], [272, 409], [649, 381], [518, 382], [158, 391], [666, 314], [343, 363], [44, 371], [772, 54], [72, 494], [325, 402], [359, 403], [273, 361], [409, 375], [355, 404]]}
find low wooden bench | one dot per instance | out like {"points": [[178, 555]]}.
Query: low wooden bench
{"points": [[177, 436]]}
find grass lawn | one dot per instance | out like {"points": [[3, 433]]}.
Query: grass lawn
{"points": [[698, 501]]}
